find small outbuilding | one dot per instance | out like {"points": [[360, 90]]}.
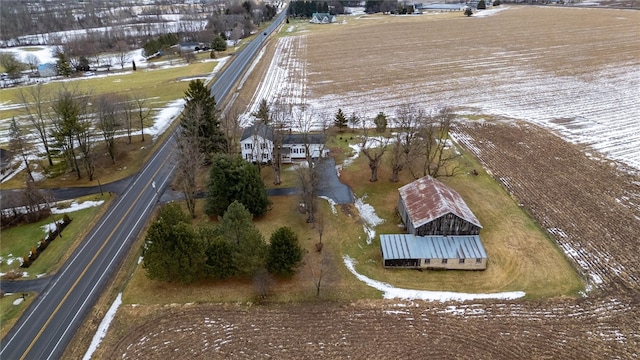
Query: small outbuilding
{"points": [[433, 252], [429, 207]]}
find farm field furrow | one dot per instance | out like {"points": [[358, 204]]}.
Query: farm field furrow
{"points": [[575, 71], [547, 102], [575, 198]]}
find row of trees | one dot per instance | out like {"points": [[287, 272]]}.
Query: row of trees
{"points": [[72, 123], [418, 143], [176, 251], [20, 18]]}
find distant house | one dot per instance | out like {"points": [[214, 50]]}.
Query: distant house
{"points": [[433, 252], [429, 207], [47, 70], [322, 18], [190, 46], [257, 142]]}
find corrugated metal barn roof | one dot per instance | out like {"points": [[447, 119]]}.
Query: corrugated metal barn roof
{"points": [[427, 199], [409, 246]]}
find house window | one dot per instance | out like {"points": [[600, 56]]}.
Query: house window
{"points": [[460, 261], [263, 146], [302, 151], [265, 156], [478, 260], [444, 261], [248, 146], [427, 261]]}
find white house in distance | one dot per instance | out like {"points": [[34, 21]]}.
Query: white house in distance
{"points": [[322, 18], [256, 145]]}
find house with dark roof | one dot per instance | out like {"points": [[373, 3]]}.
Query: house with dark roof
{"points": [[257, 144], [443, 233], [322, 18]]}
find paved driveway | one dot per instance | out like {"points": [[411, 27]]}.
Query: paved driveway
{"points": [[330, 185]]}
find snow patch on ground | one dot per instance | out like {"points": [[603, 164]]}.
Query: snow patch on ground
{"points": [[369, 217], [391, 292], [331, 203], [75, 206], [489, 12], [104, 326]]}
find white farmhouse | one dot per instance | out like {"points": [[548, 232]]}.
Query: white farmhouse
{"points": [[257, 143]]}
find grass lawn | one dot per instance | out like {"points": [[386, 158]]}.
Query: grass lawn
{"points": [[521, 255], [9, 312], [338, 283], [17, 241]]}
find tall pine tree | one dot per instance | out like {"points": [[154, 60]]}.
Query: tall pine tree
{"points": [[340, 121], [199, 101], [232, 178], [173, 250]]}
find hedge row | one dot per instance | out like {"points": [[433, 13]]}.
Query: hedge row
{"points": [[28, 259]]}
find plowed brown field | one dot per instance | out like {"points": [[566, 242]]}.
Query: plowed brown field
{"points": [[589, 205]]}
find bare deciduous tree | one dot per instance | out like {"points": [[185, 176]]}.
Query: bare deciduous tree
{"points": [[122, 53], [407, 122], [19, 145], [230, 126], [321, 270], [373, 148], [279, 115], [34, 99], [434, 133], [33, 62], [142, 111], [110, 114], [189, 158]]}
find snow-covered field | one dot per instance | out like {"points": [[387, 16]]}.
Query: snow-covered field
{"points": [[573, 86]]}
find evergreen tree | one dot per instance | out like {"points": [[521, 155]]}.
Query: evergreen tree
{"points": [[285, 253], [231, 178], [354, 120], [199, 101], [173, 250], [219, 44], [481, 5], [381, 122], [340, 121], [468, 11], [62, 65], [237, 229], [219, 262], [263, 112]]}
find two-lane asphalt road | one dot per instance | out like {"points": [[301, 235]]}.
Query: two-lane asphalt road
{"points": [[50, 322]]}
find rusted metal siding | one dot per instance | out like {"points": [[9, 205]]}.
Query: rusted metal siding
{"points": [[432, 208], [448, 224]]}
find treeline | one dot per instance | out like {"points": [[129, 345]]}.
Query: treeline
{"points": [[70, 123], [177, 251]]}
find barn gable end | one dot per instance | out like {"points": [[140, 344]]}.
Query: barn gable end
{"points": [[428, 207]]}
